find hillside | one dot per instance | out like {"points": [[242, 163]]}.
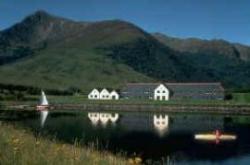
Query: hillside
{"points": [[64, 61], [195, 45], [53, 52], [213, 59]]}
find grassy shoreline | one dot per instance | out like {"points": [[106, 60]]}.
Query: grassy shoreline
{"points": [[237, 99], [83, 100], [18, 146]]}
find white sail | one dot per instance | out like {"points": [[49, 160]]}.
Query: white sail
{"points": [[43, 100]]}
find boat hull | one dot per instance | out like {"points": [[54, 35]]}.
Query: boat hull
{"points": [[42, 107]]}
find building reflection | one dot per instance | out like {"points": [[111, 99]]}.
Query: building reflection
{"points": [[103, 118], [161, 123]]}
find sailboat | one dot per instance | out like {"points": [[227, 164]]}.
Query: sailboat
{"points": [[44, 104]]}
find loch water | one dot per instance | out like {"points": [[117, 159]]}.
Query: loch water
{"points": [[158, 138]]}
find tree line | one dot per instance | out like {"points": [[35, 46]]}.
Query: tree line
{"points": [[37, 90]]}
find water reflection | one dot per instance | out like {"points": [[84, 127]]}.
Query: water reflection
{"points": [[196, 123], [103, 118], [43, 117], [161, 123], [152, 136]]}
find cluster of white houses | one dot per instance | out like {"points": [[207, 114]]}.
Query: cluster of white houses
{"points": [[103, 94], [162, 91]]}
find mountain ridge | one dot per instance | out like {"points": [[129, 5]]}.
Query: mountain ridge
{"points": [[193, 45]]}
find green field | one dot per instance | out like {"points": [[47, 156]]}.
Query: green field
{"points": [[85, 69], [241, 97]]}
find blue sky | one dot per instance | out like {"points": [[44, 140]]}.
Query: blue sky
{"points": [[206, 19]]}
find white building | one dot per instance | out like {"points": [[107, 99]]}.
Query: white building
{"points": [[114, 95], [94, 95], [161, 93], [179, 91], [104, 94]]}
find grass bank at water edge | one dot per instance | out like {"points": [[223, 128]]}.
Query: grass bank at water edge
{"points": [[20, 147]]}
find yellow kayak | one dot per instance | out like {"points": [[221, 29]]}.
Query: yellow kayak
{"points": [[213, 137]]}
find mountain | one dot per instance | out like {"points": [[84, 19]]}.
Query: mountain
{"points": [[48, 51], [40, 27], [194, 45], [213, 59], [52, 52]]}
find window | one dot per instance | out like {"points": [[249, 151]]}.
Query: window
{"points": [[163, 91], [158, 91], [91, 96], [95, 96]]}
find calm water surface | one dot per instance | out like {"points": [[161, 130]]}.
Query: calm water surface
{"points": [[155, 137]]}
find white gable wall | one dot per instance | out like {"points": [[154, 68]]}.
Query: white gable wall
{"points": [[94, 95], [161, 93], [104, 94], [114, 95]]}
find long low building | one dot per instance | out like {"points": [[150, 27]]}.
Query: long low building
{"points": [[175, 91]]}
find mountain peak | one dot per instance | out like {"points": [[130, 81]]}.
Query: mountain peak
{"points": [[36, 28], [39, 15]]}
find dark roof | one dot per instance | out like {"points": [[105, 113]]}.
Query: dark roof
{"points": [[195, 87], [176, 87], [141, 86], [108, 89]]}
